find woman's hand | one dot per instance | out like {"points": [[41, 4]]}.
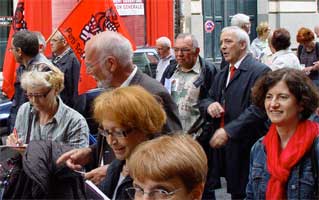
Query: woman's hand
{"points": [[97, 175], [76, 158], [13, 140]]}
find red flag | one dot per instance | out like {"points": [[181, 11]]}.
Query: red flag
{"points": [[38, 14], [88, 18], [9, 64], [9, 68], [28, 15]]}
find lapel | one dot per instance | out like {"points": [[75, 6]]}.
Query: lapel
{"points": [[242, 68]]}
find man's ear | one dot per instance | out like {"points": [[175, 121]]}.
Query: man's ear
{"points": [[243, 45], [112, 63], [197, 50], [19, 51]]}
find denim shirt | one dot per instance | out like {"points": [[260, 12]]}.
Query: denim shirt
{"points": [[300, 185]]}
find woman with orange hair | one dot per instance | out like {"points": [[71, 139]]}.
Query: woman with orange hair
{"points": [[128, 116], [308, 53]]}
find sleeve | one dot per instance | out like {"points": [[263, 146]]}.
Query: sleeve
{"points": [[78, 135], [22, 121], [172, 123], [72, 76], [252, 116], [249, 187], [205, 102]]}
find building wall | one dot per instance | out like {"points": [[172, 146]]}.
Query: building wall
{"points": [[289, 14], [293, 15]]}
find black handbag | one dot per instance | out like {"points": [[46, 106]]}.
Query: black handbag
{"points": [[11, 161]]}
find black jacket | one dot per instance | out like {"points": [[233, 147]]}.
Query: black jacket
{"points": [[208, 71], [70, 66], [41, 178], [244, 122], [111, 181]]}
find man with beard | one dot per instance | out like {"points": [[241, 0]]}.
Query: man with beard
{"points": [[109, 60]]}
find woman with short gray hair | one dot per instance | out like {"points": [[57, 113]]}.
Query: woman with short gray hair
{"points": [[45, 116]]}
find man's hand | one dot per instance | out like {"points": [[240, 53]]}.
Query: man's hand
{"points": [[219, 138], [76, 158], [215, 110], [97, 175]]}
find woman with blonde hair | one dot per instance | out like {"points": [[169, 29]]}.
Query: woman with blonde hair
{"points": [[128, 116], [168, 167], [260, 43], [45, 116]]}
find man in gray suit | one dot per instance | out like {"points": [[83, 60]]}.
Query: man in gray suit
{"points": [[108, 57]]}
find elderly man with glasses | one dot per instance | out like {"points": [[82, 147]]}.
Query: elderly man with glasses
{"points": [[188, 79]]}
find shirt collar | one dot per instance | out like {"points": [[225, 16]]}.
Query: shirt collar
{"points": [[237, 64], [167, 57], [129, 79], [58, 116], [196, 68]]}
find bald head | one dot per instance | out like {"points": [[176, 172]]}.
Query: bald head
{"points": [[109, 43]]}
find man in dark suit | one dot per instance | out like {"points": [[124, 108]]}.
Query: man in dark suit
{"points": [[109, 60], [66, 61], [235, 124]]}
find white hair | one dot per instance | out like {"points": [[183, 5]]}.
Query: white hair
{"points": [[109, 43], [185, 35], [239, 20], [241, 35], [165, 41]]}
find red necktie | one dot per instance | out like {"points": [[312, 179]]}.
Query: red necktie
{"points": [[232, 70]]}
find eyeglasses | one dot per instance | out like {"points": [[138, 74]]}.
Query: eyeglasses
{"points": [[90, 65], [138, 193], [11, 49], [183, 50], [114, 133], [38, 95]]}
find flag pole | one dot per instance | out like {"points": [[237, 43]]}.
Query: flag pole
{"points": [[49, 38]]}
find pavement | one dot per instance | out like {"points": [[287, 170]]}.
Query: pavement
{"points": [[221, 193]]}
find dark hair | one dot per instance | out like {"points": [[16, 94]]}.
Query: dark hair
{"points": [[305, 35], [280, 39], [27, 41], [298, 84]]}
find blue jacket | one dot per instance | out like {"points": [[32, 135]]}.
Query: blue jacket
{"points": [[300, 185]]}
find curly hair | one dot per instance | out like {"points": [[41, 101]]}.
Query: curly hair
{"points": [[280, 39], [131, 107], [305, 35], [298, 84]]}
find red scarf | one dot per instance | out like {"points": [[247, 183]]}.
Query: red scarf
{"points": [[280, 161]]}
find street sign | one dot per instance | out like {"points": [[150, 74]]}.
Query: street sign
{"points": [[209, 26]]}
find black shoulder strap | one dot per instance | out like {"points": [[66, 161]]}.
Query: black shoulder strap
{"points": [[29, 125], [315, 164]]}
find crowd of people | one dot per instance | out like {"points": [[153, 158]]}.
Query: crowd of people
{"points": [[175, 136]]}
